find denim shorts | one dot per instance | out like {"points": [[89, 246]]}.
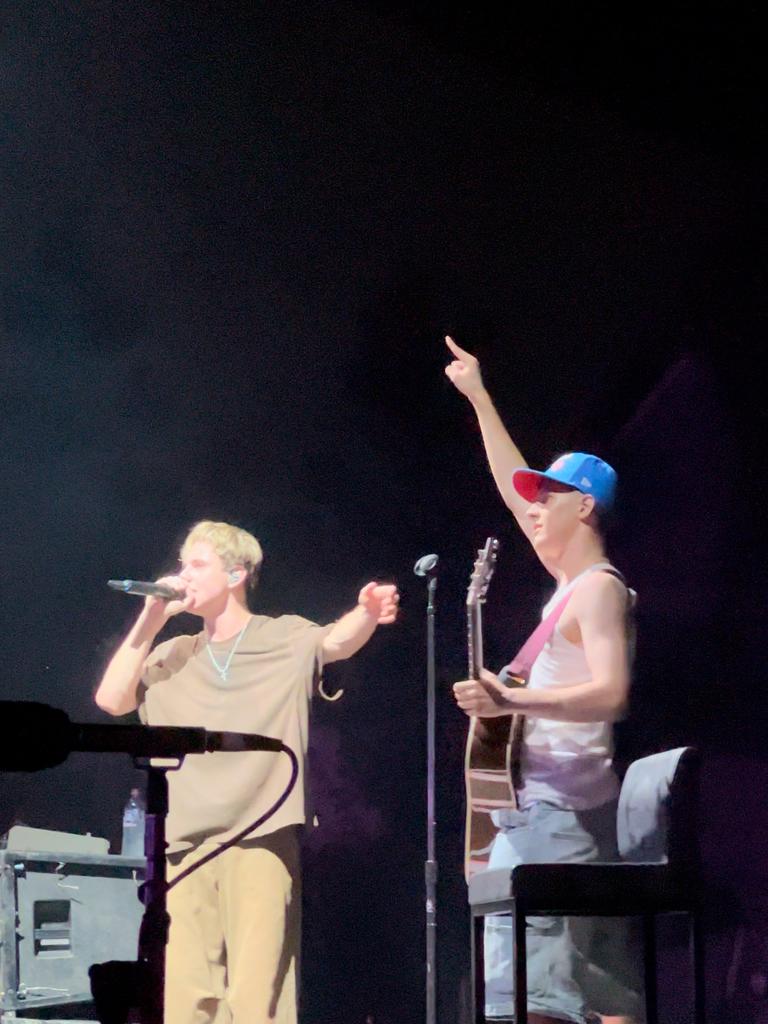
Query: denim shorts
{"points": [[575, 965]]}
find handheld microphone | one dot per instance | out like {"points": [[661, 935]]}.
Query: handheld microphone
{"points": [[426, 565], [143, 588]]}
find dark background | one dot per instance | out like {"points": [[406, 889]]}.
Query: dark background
{"points": [[233, 238]]}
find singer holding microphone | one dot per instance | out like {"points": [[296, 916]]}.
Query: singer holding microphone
{"points": [[235, 923]]}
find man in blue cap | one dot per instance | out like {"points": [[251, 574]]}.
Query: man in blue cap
{"points": [[566, 787]]}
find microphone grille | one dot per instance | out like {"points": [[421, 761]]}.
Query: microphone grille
{"points": [[425, 564], [119, 584]]}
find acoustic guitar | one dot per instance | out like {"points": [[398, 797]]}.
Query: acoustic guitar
{"points": [[487, 764]]}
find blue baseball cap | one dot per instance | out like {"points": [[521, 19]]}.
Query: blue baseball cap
{"points": [[585, 473]]}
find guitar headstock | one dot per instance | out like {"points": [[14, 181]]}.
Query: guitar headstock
{"points": [[482, 572]]}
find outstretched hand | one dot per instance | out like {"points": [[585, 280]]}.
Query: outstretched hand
{"points": [[485, 697], [464, 371], [380, 600]]}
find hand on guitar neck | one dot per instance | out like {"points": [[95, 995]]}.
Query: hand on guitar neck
{"points": [[485, 697]]}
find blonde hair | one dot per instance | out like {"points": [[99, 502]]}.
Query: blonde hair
{"points": [[233, 545]]}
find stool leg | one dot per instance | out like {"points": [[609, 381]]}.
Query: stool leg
{"points": [[519, 959], [478, 968], [649, 966], [698, 965]]}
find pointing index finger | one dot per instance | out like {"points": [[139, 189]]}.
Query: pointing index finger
{"points": [[458, 352]]}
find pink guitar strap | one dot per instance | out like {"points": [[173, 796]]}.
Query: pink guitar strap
{"points": [[523, 661]]}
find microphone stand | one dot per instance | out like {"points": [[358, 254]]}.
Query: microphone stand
{"points": [[120, 986], [426, 566], [153, 934], [39, 737]]}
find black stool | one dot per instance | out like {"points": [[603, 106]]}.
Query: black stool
{"points": [[658, 874]]}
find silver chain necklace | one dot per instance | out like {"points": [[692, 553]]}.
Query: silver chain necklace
{"points": [[223, 670]]}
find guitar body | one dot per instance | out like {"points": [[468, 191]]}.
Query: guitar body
{"points": [[488, 777]]}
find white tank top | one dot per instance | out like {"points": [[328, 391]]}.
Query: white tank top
{"points": [[568, 764]]}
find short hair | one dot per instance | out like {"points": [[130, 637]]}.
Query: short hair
{"points": [[233, 545]]}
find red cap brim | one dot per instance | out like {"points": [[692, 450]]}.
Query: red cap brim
{"points": [[527, 483]]}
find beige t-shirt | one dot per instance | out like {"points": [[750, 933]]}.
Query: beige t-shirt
{"points": [[268, 690]]}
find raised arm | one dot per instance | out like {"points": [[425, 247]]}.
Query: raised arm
{"points": [[116, 693], [376, 605], [504, 457], [599, 606]]}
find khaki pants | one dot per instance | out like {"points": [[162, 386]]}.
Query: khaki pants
{"points": [[233, 949]]}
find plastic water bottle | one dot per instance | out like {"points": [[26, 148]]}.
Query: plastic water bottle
{"points": [[133, 825]]}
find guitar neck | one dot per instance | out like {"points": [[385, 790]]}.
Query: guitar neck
{"points": [[475, 639], [478, 584]]}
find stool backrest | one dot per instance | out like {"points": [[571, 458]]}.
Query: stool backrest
{"points": [[656, 818]]}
